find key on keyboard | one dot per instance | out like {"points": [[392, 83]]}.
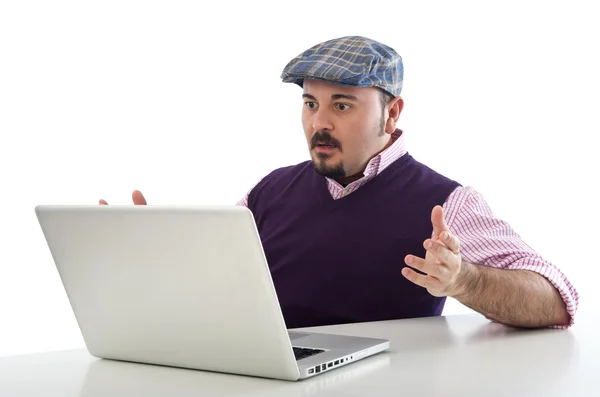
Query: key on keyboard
{"points": [[301, 352]]}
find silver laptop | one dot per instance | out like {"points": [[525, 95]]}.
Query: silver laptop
{"points": [[183, 286]]}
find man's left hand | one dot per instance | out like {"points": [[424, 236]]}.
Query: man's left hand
{"points": [[442, 264]]}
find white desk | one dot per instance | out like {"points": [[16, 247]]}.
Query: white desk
{"points": [[461, 356]]}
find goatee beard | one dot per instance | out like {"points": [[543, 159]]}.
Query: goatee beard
{"points": [[334, 172]]}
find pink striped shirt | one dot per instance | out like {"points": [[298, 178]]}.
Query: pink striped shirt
{"points": [[484, 238]]}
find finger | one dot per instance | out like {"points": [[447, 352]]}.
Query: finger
{"points": [[450, 241], [438, 221], [102, 202], [446, 257], [138, 198], [431, 269], [424, 281]]}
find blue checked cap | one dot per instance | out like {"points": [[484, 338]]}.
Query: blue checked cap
{"points": [[353, 60]]}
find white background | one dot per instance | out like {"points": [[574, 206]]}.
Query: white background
{"points": [[184, 102]]}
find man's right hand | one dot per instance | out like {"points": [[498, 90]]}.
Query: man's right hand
{"points": [[136, 196]]}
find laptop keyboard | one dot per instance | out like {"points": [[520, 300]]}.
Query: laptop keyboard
{"points": [[302, 352]]}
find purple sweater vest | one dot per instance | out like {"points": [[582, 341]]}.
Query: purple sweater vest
{"points": [[339, 261]]}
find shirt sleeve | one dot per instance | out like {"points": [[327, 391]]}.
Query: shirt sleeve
{"points": [[244, 201], [488, 240]]}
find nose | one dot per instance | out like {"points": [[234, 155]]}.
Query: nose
{"points": [[322, 120]]}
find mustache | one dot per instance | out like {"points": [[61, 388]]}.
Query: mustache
{"points": [[324, 138]]}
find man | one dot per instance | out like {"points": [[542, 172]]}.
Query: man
{"points": [[364, 232]]}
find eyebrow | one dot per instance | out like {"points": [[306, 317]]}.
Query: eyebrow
{"points": [[334, 97]]}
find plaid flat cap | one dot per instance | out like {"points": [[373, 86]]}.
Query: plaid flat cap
{"points": [[352, 60]]}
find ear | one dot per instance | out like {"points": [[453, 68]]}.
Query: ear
{"points": [[395, 107]]}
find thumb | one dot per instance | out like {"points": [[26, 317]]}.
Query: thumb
{"points": [[438, 221], [138, 198]]}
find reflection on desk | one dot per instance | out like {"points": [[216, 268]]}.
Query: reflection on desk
{"points": [[460, 356], [113, 378]]}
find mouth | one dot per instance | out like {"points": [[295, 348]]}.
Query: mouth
{"points": [[323, 145], [324, 149]]}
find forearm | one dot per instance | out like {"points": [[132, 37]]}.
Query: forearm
{"points": [[513, 297]]}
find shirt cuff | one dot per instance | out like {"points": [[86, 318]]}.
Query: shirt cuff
{"points": [[567, 292]]}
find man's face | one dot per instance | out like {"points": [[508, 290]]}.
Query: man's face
{"points": [[344, 127]]}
